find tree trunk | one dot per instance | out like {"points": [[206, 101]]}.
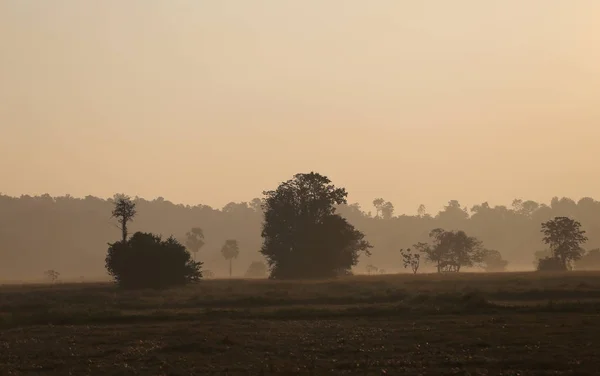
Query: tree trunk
{"points": [[230, 266], [124, 231]]}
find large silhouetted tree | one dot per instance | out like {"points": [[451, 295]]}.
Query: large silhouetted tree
{"points": [[194, 240], [124, 211], [564, 237], [230, 251], [302, 235]]}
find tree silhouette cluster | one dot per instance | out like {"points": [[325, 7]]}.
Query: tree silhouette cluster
{"points": [[145, 260], [451, 250], [70, 234]]}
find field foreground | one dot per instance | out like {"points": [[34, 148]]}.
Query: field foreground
{"points": [[467, 324]]}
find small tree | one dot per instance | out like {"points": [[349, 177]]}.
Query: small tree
{"points": [[257, 269], [412, 260], [564, 237], [421, 211], [147, 261], [52, 275], [230, 251], [371, 269], [493, 261], [194, 240], [208, 274], [124, 211], [451, 250], [378, 204]]}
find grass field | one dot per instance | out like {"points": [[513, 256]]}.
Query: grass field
{"points": [[465, 324]]}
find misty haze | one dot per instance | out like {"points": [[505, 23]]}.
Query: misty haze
{"points": [[318, 187]]}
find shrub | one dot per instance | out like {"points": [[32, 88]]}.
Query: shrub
{"points": [[551, 264], [493, 261], [257, 269], [147, 261]]}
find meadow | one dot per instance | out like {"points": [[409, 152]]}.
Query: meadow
{"points": [[426, 324]]}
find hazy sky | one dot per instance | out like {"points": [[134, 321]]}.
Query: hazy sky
{"points": [[215, 101]]}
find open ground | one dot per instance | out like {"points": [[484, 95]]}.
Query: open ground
{"points": [[430, 324]]}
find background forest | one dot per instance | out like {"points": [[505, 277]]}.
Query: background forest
{"points": [[70, 234]]}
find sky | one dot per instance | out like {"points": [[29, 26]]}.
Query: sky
{"points": [[418, 102]]}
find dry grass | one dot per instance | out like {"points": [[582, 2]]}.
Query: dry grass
{"points": [[477, 324]]}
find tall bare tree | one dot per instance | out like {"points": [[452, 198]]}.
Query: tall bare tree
{"points": [[124, 212]]}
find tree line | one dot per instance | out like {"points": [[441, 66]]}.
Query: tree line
{"points": [[69, 235], [303, 237]]}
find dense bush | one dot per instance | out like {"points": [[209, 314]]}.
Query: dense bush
{"points": [[493, 261], [551, 264], [257, 269], [147, 261]]}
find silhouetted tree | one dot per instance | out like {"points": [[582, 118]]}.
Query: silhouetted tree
{"points": [[451, 250], [410, 259], [383, 209], [147, 261], [387, 210], [207, 274], [564, 237], [194, 240], [541, 254], [378, 204], [493, 261], [371, 269], [124, 211], [453, 213], [590, 261], [421, 211], [257, 269], [52, 275], [256, 205], [302, 235], [230, 251]]}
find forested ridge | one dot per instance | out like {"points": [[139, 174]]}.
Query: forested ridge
{"points": [[70, 234]]}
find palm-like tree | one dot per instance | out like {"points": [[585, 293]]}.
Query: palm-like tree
{"points": [[194, 240], [230, 251]]}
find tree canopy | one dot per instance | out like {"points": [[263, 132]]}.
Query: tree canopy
{"points": [[302, 235], [451, 250], [565, 238], [124, 211], [147, 261]]}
